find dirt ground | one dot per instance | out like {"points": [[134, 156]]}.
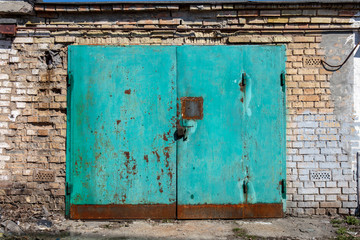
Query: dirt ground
{"points": [[285, 228]]}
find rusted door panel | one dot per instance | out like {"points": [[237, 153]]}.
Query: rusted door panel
{"points": [[121, 152], [232, 158]]}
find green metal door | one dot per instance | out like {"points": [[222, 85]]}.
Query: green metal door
{"points": [[191, 132], [232, 161], [121, 153]]}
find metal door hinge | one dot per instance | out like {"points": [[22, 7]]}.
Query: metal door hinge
{"points": [[282, 79], [70, 78], [245, 187], [67, 188], [283, 188]]}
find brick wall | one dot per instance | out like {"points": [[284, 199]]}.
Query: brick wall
{"points": [[320, 130]]}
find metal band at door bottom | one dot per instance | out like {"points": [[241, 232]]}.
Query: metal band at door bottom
{"points": [[163, 211], [123, 211], [230, 211]]}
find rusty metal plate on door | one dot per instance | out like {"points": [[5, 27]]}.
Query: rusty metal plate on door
{"points": [[192, 108], [123, 211], [230, 211]]}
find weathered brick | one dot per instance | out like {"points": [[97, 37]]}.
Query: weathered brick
{"points": [[64, 39], [4, 76], [51, 8], [327, 12], [299, 20], [117, 7], [348, 190], [96, 8], [347, 13], [308, 204], [148, 21], [60, 98], [262, 39], [43, 132], [304, 39], [239, 39], [344, 211], [169, 21], [291, 12], [309, 98], [282, 39], [20, 98], [248, 13], [349, 205], [259, 20], [278, 20], [320, 20], [270, 13], [330, 204], [330, 191], [223, 14], [341, 20], [38, 7], [23, 40], [228, 6], [310, 165], [308, 71], [309, 12], [84, 8], [304, 191]]}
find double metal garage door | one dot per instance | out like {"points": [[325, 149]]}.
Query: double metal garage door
{"points": [[187, 132]]}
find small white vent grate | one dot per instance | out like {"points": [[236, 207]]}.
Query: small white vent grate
{"points": [[312, 61], [320, 175]]}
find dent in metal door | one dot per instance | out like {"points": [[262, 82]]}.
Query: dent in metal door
{"points": [[121, 153], [233, 158]]}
